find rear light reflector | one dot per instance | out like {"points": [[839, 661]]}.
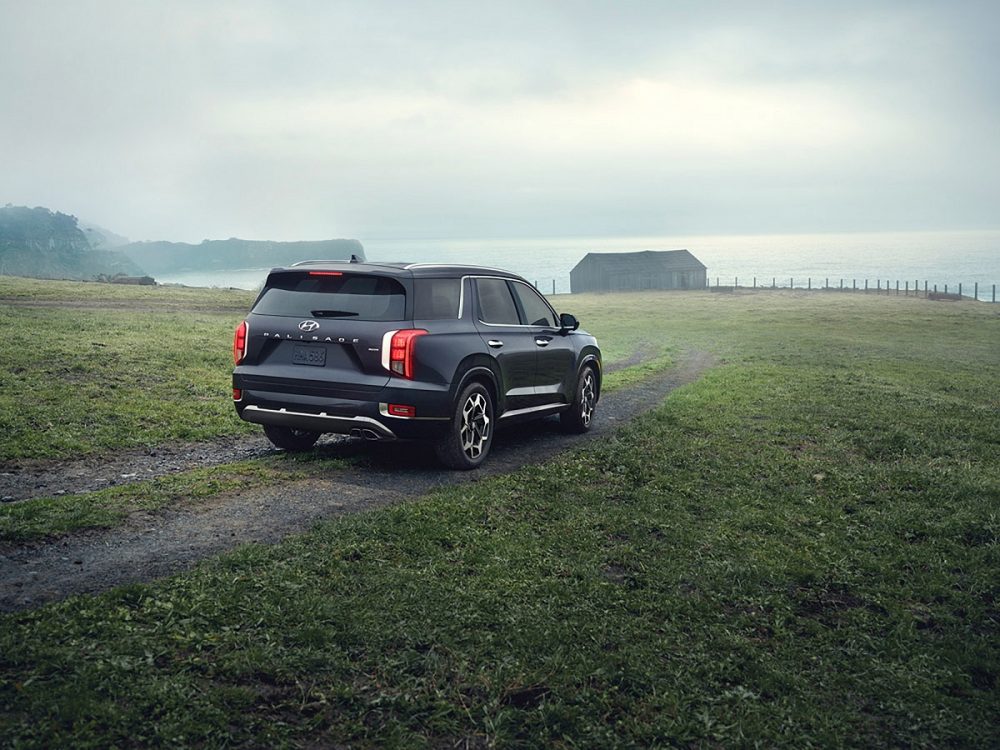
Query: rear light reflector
{"points": [[240, 339], [402, 410], [397, 351], [237, 394]]}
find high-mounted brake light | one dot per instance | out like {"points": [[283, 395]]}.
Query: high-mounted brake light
{"points": [[240, 339], [326, 273], [397, 351]]}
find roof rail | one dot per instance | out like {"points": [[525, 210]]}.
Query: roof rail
{"points": [[455, 265]]}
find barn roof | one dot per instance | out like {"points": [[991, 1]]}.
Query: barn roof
{"points": [[643, 261]]}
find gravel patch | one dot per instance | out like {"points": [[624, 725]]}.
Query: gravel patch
{"points": [[153, 545]]}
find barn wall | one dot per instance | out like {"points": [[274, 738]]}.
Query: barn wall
{"points": [[589, 277]]}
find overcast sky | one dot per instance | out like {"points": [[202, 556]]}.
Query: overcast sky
{"points": [[305, 120]]}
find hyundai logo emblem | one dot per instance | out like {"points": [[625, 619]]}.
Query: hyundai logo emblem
{"points": [[308, 325]]}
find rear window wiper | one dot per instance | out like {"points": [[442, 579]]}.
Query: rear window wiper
{"points": [[333, 313]]}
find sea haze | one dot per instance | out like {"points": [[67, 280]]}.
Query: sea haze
{"points": [[936, 257]]}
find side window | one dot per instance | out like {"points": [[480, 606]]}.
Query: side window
{"points": [[536, 310], [436, 299], [495, 303]]}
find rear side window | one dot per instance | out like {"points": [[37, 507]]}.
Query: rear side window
{"points": [[495, 303], [436, 299], [350, 296]]}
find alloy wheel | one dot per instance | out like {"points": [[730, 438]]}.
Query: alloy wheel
{"points": [[588, 398], [475, 430]]}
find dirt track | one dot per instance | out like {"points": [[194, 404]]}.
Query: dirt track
{"points": [[153, 545]]}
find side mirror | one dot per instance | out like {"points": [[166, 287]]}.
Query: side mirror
{"points": [[568, 322]]}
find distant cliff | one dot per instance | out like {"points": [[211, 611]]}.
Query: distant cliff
{"points": [[167, 257], [39, 243]]}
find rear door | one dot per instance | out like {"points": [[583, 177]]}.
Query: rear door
{"points": [[323, 332]]}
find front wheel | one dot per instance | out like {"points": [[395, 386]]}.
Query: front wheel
{"points": [[470, 433], [580, 415], [293, 441]]}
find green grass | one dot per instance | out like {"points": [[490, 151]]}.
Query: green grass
{"points": [[79, 381], [799, 550], [83, 293]]}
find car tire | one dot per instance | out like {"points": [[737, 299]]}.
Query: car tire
{"points": [[580, 415], [470, 433], [291, 440]]}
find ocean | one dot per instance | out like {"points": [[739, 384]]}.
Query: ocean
{"points": [[941, 258]]}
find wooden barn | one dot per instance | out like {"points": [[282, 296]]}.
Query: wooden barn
{"points": [[649, 269]]}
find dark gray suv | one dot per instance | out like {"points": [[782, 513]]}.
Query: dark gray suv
{"points": [[388, 351]]}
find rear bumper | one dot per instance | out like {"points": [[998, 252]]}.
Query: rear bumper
{"points": [[366, 417]]}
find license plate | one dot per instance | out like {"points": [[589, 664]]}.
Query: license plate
{"points": [[309, 355]]}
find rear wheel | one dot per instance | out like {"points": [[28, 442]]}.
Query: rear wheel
{"points": [[579, 416], [470, 433], [289, 439]]}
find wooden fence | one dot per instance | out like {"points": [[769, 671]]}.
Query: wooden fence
{"points": [[881, 286]]}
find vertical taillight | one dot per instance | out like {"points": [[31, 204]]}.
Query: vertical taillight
{"points": [[397, 351], [240, 342]]}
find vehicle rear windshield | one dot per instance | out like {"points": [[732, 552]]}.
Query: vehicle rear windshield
{"points": [[348, 296]]}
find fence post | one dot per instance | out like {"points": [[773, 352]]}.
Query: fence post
{"points": [[754, 282], [791, 283], [906, 292], [925, 287], [841, 285], [994, 292], [975, 294], [866, 285], [945, 288], [774, 281], [809, 284], [736, 282], [897, 287], [960, 289], [716, 281], [854, 285]]}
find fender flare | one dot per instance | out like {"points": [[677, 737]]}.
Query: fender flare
{"points": [[478, 367]]}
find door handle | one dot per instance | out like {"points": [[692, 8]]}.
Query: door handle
{"points": [[542, 342], [495, 343]]}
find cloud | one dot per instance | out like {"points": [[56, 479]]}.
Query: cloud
{"points": [[187, 120]]}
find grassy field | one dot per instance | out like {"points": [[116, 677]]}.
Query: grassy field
{"points": [[800, 549]]}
